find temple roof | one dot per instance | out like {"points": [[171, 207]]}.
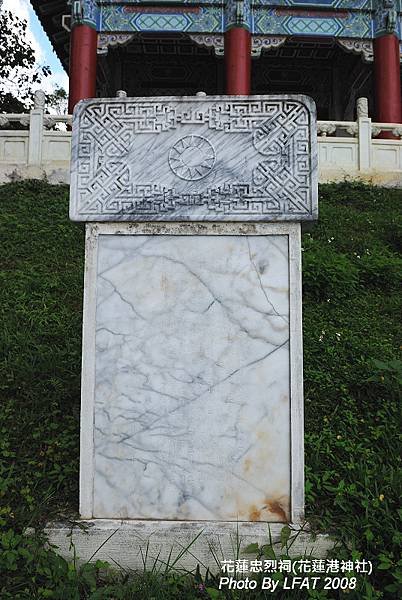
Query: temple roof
{"points": [[346, 19], [50, 14]]}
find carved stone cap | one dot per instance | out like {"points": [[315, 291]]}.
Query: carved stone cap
{"points": [[213, 158]]}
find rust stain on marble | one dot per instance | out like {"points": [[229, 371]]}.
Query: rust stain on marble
{"points": [[255, 514], [273, 509], [277, 507]]}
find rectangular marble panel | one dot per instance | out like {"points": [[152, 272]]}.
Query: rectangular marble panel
{"points": [[215, 158], [187, 404]]}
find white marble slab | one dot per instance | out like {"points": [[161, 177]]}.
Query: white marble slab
{"points": [[215, 158], [192, 409]]}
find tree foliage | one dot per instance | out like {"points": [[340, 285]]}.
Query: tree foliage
{"points": [[18, 68], [58, 100]]}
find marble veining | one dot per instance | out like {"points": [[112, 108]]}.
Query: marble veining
{"points": [[192, 412], [216, 158]]}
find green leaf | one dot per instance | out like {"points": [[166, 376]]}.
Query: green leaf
{"points": [[214, 594], [285, 535], [251, 549], [268, 551]]}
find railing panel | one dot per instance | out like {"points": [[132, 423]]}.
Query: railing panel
{"points": [[14, 146], [56, 147], [387, 155], [346, 149], [335, 153]]}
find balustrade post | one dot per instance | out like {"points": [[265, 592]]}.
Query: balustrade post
{"points": [[36, 125], [364, 134]]}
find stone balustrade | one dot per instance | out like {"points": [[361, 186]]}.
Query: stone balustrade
{"points": [[353, 150]]}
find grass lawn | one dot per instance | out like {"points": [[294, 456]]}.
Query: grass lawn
{"points": [[352, 337]]}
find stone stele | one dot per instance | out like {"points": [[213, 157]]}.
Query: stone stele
{"points": [[191, 412], [216, 158], [192, 403]]}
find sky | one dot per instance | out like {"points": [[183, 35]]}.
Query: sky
{"points": [[40, 43]]}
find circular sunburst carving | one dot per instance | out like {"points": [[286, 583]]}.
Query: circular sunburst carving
{"points": [[192, 157]]}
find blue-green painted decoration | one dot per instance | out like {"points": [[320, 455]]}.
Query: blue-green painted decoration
{"points": [[323, 18], [128, 18], [238, 14], [386, 18], [335, 4], [85, 11], [344, 24], [162, 2]]}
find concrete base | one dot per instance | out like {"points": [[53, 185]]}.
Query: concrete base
{"points": [[388, 179], [184, 543], [55, 173]]}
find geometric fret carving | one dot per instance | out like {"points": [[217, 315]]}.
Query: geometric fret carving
{"points": [[194, 158]]}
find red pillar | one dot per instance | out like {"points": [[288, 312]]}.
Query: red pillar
{"points": [[238, 61], [387, 73], [83, 48]]}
